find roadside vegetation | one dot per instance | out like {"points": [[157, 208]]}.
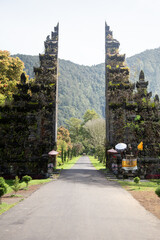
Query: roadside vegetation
{"points": [[10, 184], [5, 207], [13, 186], [68, 164], [149, 185], [88, 135], [97, 164], [147, 193], [81, 136]]}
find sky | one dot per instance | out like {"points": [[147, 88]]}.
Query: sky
{"points": [[25, 24]]}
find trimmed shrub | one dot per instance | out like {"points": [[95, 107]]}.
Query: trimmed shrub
{"points": [[3, 187], [157, 191], [26, 179], [136, 180]]}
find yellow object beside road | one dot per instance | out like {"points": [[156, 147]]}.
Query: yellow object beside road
{"points": [[140, 146]]}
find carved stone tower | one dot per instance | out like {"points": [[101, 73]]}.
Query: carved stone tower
{"points": [[118, 90], [142, 86], [47, 81], [29, 125]]}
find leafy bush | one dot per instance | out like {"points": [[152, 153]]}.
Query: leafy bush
{"points": [[157, 191], [3, 187], [16, 185], [26, 179], [136, 180]]}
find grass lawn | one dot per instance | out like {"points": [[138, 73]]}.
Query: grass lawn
{"points": [[149, 185], [98, 165], [68, 164], [5, 207], [23, 185]]}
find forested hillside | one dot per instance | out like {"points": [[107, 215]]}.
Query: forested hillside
{"points": [[149, 62], [80, 88], [83, 87], [29, 62]]}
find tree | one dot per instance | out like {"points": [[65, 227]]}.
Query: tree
{"points": [[96, 131], [90, 115], [80, 134], [77, 148], [74, 126], [63, 134], [16, 185], [3, 188], [100, 152], [62, 148], [11, 70], [63, 142]]}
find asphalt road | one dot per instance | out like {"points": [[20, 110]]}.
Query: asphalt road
{"points": [[80, 205]]}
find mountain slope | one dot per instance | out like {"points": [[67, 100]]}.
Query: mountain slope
{"points": [[149, 62], [80, 88]]}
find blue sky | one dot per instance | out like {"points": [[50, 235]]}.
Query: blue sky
{"points": [[24, 26]]}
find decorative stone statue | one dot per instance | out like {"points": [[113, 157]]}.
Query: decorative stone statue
{"points": [[48, 38], [141, 76], [23, 78], [156, 99]]}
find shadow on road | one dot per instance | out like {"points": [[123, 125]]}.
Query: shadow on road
{"points": [[87, 176]]}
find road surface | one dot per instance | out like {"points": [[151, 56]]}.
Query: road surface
{"points": [[80, 205]]}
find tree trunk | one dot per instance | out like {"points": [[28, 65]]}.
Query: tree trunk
{"points": [[62, 154]]}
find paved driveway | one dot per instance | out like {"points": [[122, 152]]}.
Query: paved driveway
{"points": [[80, 205]]}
